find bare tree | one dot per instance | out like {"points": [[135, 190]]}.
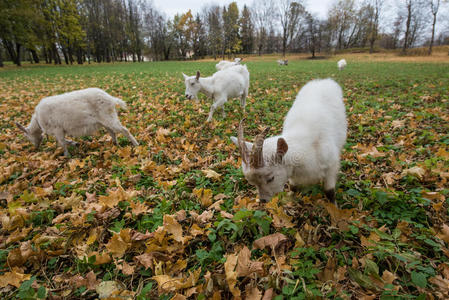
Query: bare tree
{"points": [[434, 6], [313, 33], [290, 12], [342, 19], [375, 7], [264, 14], [409, 6]]}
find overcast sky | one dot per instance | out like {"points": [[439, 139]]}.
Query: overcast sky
{"points": [[171, 7], [318, 7]]}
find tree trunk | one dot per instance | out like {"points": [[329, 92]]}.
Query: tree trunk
{"points": [[433, 33], [79, 56], [66, 57], [407, 29], [56, 55], [70, 55], [47, 61], [35, 56], [18, 48], [284, 42], [1, 57]]}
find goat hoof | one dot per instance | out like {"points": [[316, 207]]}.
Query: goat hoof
{"points": [[330, 195]]}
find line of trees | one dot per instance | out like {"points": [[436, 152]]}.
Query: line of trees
{"points": [[70, 31]]}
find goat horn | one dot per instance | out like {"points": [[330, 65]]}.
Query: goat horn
{"points": [[242, 144], [257, 154]]}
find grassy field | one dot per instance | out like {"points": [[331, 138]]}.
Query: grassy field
{"points": [[174, 217]]}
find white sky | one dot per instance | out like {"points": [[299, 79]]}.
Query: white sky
{"points": [[171, 7], [317, 7]]}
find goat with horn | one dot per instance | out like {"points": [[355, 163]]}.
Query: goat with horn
{"points": [[308, 149]]}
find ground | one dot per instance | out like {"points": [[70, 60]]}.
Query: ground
{"points": [[174, 218]]}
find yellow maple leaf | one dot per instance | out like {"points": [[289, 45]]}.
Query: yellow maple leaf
{"points": [[173, 227], [231, 274], [204, 195], [119, 243]]}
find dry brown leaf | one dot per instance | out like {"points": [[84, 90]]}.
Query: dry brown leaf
{"points": [[231, 274], [268, 295], [388, 277], [252, 293], [204, 196], [272, 241], [444, 233], [415, 171], [119, 243], [173, 227], [211, 174], [15, 278], [145, 259], [245, 266]]}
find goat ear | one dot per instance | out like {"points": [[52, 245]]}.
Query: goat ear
{"points": [[282, 148], [21, 127], [185, 76], [197, 75], [249, 145], [235, 140]]}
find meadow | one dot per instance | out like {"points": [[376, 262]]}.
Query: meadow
{"points": [[174, 218]]}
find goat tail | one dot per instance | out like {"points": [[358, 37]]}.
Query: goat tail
{"points": [[118, 101]]}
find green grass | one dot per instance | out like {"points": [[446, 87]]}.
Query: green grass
{"points": [[402, 216]]}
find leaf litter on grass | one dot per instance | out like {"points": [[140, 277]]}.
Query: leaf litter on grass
{"points": [[174, 218]]}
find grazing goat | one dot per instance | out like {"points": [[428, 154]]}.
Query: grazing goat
{"points": [[231, 82], [77, 113], [308, 149], [226, 64], [341, 64], [283, 62]]}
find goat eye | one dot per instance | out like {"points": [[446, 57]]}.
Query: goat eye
{"points": [[193, 83], [270, 180]]}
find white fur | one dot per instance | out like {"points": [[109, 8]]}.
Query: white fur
{"points": [[226, 64], [315, 132], [283, 62], [77, 113], [341, 64], [231, 82]]}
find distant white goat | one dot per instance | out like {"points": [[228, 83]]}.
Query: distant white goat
{"points": [[226, 64], [231, 82], [341, 64], [308, 149], [77, 113], [283, 62]]}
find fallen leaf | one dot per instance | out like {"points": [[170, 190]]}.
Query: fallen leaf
{"points": [[119, 243], [15, 278], [173, 227], [272, 241], [415, 171], [231, 274], [211, 174], [245, 266], [204, 196], [107, 289]]}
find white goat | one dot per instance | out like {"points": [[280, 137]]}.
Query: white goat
{"points": [[308, 149], [231, 82], [283, 62], [341, 64], [226, 64], [77, 113]]}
